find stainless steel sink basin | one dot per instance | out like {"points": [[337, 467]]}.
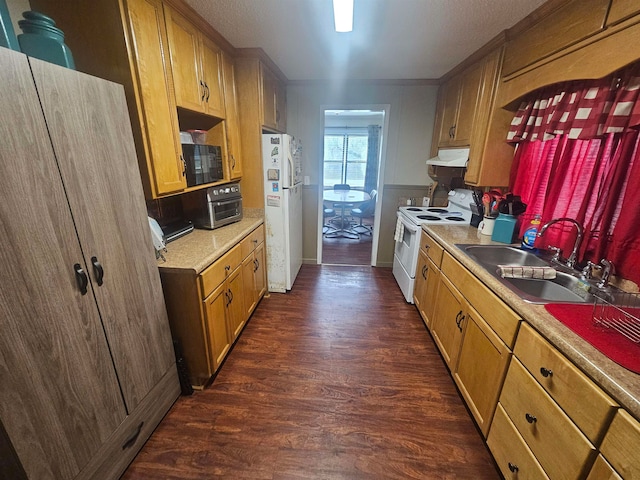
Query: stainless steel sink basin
{"points": [[497, 255], [565, 288]]}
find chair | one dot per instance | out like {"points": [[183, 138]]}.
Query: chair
{"points": [[326, 227], [343, 206], [365, 209]]}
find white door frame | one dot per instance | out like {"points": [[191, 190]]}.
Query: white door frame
{"points": [[386, 108]]}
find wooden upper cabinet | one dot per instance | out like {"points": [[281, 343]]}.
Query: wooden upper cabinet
{"points": [[622, 9], [574, 21], [457, 108], [126, 42], [273, 101], [196, 66], [157, 111], [234, 148]]}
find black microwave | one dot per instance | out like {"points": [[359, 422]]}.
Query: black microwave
{"points": [[203, 163]]}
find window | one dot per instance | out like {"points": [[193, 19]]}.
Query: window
{"points": [[345, 156]]}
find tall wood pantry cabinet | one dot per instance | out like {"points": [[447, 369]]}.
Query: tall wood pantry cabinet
{"points": [[87, 367]]}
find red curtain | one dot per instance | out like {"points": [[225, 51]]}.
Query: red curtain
{"points": [[577, 157]]}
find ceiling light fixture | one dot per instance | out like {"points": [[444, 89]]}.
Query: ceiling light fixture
{"points": [[343, 15]]}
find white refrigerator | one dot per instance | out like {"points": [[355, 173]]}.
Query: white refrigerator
{"points": [[282, 166]]}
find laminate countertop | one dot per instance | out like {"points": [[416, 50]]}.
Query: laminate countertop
{"points": [[200, 248], [620, 383]]}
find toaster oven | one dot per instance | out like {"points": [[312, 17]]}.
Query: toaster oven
{"points": [[214, 207]]}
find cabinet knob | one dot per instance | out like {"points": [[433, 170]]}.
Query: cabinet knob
{"points": [[545, 372], [513, 468], [530, 418]]}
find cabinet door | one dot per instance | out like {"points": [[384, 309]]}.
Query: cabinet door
{"points": [[450, 96], [184, 49], [60, 399], [233, 122], [430, 292], [481, 368], [107, 204], [215, 309], [448, 321], [260, 271], [235, 303], [281, 106], [212, 78], [468, 99], [157, 103], [420, 288], [269, 107], [249, 284]]}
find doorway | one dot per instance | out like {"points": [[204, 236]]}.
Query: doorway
{"points": [[352, 159]]}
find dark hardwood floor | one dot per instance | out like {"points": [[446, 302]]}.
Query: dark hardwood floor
{"points": [[347, 251], [337, 379]]}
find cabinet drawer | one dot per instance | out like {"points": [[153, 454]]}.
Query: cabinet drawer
{"points": [[515, 460], [251, 241], [560, 447], [601, 470], [431, 248], [497, 314], [215, 274], [565, 383], [621, 445]]}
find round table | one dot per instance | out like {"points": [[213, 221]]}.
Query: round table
{"points": [[342, 198]]}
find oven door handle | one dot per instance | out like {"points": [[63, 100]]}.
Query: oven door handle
{"points": [[408, 225], [225, 202]]}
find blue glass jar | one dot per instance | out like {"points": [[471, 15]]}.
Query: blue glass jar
{"points": [[7, 35], [42, 39]]}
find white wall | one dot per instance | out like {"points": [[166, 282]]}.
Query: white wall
{"points": [[412, 112], [16, 7]]}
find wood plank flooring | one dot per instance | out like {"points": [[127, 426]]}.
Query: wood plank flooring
{"points": [[347, 251], [337, 379]]}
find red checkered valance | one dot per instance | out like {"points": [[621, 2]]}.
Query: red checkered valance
{"points": [[583, 109]]}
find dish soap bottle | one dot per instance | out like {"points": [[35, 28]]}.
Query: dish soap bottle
{"points": [[530, 234]]}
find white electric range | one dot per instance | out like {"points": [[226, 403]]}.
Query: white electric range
{"points": [[407, 235]]}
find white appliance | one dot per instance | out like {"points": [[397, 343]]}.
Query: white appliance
{"points": [[282, 163], [409, 226]]}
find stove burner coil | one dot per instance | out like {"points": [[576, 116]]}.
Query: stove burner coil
{"points": [[437, 210], [455, 219], [432, 218], [414, 209]]}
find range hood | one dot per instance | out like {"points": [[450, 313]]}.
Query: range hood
{"points": [[450, 157]]}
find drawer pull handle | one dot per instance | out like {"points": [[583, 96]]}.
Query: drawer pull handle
{"points": [[424, 272], [227, 268], [530, 418], [81, 279], [513, 468], [132, 439], [545, 372], [426, 247]]}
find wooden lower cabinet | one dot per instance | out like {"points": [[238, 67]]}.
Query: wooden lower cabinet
{"points": [[447, 322], [208, 311], [560, 447], [621, 445], [427, 277], [601, 470], [481, 368], [511, 453]]}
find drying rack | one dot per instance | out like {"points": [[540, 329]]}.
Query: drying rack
{"points": [[622, 317]]}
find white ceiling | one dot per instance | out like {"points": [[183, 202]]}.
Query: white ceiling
{"points": [[391, 39]]}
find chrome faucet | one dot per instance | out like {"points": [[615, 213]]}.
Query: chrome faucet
{"points": [[573, 257], [607, 270]]}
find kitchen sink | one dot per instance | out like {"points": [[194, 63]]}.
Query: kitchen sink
{"points": [[565, 288]]}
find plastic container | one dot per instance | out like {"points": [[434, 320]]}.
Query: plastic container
{"points": [[41, 39], [7, 34], [530, 234], [199, 136], [504, 229]]}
